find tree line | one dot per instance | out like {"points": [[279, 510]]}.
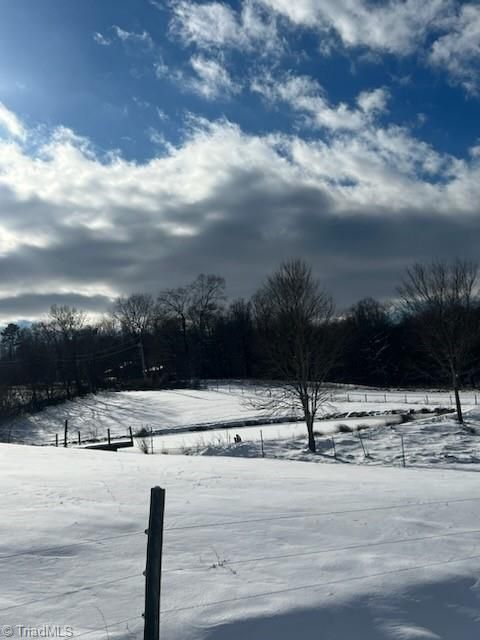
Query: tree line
{"points": [[289, 332]]}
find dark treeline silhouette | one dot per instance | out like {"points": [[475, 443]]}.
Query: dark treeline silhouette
{"points": [[426, 336]]}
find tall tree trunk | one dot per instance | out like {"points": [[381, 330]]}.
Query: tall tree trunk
{"points": [[457, 396], [459, 406], [311, 438]]}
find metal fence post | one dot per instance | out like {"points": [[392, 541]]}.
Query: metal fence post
{"points": [[153, 571]]}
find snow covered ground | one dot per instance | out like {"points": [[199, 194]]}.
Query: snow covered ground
{"points": [[254, 549], [426, 442], [93, 415], [274, 436]]}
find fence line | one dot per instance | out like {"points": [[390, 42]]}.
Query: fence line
{"points": [[70, 592], [107, 627], [317, 514], [69, 545], [318, 585], [381, 397], [263, 594], [316, 551]]}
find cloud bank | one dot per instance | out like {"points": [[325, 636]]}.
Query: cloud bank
{"points": [[360, 203]]}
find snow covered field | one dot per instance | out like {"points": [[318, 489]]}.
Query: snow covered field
{"points": [[426, 442], [254, 549], [221, 441], [92, 415]]}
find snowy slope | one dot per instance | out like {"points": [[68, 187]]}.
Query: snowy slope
{"points": [[93, 415], [434, 440], [254, 549], [275, 437]]}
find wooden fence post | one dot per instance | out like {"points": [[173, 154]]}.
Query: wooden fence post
{"points": [[131, 435], [79, 438], [153, 571], [108, 435], [261, 439], [56, 439], [65, 434]]}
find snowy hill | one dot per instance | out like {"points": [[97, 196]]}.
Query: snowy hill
{"points": [[253, 548], [93, 415]]}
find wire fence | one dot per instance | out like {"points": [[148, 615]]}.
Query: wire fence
{"points": [[434, 397], [373, 400], [304, 522]]}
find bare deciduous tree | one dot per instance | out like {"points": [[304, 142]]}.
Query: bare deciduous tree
{"points": [[66, 321], [175, 303], [195, 307], [66, 324], [442, 299], [136, 313], [293, 316], [207, 295]]}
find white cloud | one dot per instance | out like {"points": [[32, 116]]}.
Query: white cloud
{"points": [[216, 25], [81, 222], [458, 51], [373, 102], [398, 26], [212, 79], [161, 69], [143, 38], [306, 96], [101, 39], [11, 123]]}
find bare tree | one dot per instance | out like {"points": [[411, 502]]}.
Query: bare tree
{"points": [[442, 299], [175, 304], [136, 313], [66, 321], [66, 324], [294, 316], [207, 296], [195, 307]]}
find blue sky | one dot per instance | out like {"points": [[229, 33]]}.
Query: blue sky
{"points": [[142, 142]]}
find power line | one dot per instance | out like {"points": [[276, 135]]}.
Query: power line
{"points": [[98, 354]]}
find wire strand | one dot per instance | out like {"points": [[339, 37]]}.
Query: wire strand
{"points": [[317, 585], [70, 593], [79, 543], [319, 513], [105, 628], [316, 551]]}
